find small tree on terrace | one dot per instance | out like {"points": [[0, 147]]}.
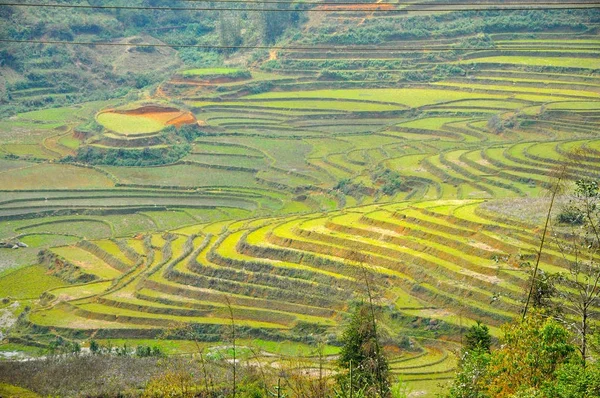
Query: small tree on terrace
{"points": [[530, 353], [470, 380], [367, 368], [581, 249]]}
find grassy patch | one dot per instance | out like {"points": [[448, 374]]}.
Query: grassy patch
{"points": [[562, 62], [28, 151], [307, 104], [211, 72], [517, 90], [289, 348], [82, 228], [54, 176], [182, 175], [87, 262], [47, 240], [575, 105], [169, 219], [129, 124], [412, 97], [27, 282], [51, 115], [69, 142], [7, 390]]}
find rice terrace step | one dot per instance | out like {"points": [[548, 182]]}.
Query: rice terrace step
{"points": [[213, 195]]}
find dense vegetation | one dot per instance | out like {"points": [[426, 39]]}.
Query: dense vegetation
{"points": [[356, 208]]}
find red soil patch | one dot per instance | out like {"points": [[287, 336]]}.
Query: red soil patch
{"points": [[183, 118], [163, 114], [162, 117]]}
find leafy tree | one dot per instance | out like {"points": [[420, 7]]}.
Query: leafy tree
{"points": [[143, 351], [366, 366], [573, 380], [531, 351], [478, 338], [273, 24], [470, 380], [390, 180], [230, 30], [495, 124], [94, 347], [581, 248], [544, 291], [535, 359]]}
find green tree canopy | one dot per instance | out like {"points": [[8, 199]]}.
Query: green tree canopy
{"points": [[361, 352]]}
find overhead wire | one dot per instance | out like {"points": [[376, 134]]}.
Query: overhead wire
{"points": [[423, 4], [373, 7], [302, 48], [546, 6]]}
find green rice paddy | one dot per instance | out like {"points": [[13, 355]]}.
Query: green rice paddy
{"points": [[284, 200], [129, 124]]}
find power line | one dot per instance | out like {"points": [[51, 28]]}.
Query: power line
{"points": [[299, 48], [378, 7], [430, 4], [426, 4]]}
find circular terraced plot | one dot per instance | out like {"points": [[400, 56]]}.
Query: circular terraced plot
{"points": [[143, 120]]}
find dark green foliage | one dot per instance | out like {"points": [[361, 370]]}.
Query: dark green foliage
{"points": [[94, 347], [478, 338], [62, 346], [273, 24], [573, 380], [361, 352], [534, 359], [189, 132], [347, 187], [230, 30], [390, 181], [90, 127], [544, 291], [200, 58], [134, 157], [382, 30], [87, 73], [472, 367], [469, 381], [387, 181], [587, 189], [178, 140], [570, 215], [143, 351]]}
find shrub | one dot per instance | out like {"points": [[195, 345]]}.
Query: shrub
{"points": [[570, 215]]}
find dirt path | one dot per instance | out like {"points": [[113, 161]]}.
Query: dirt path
{"points": [[369, 16], [272, 55]]}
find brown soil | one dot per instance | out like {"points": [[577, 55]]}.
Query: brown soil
{"points": [[144, 110], [181, 119], [162, 114], [162, 117]]}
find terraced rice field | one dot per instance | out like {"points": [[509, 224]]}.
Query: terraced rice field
{"points": [[143, 120], [278, 206], [443, 264]]}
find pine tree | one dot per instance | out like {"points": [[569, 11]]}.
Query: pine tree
{"points": [[478, 338]]}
